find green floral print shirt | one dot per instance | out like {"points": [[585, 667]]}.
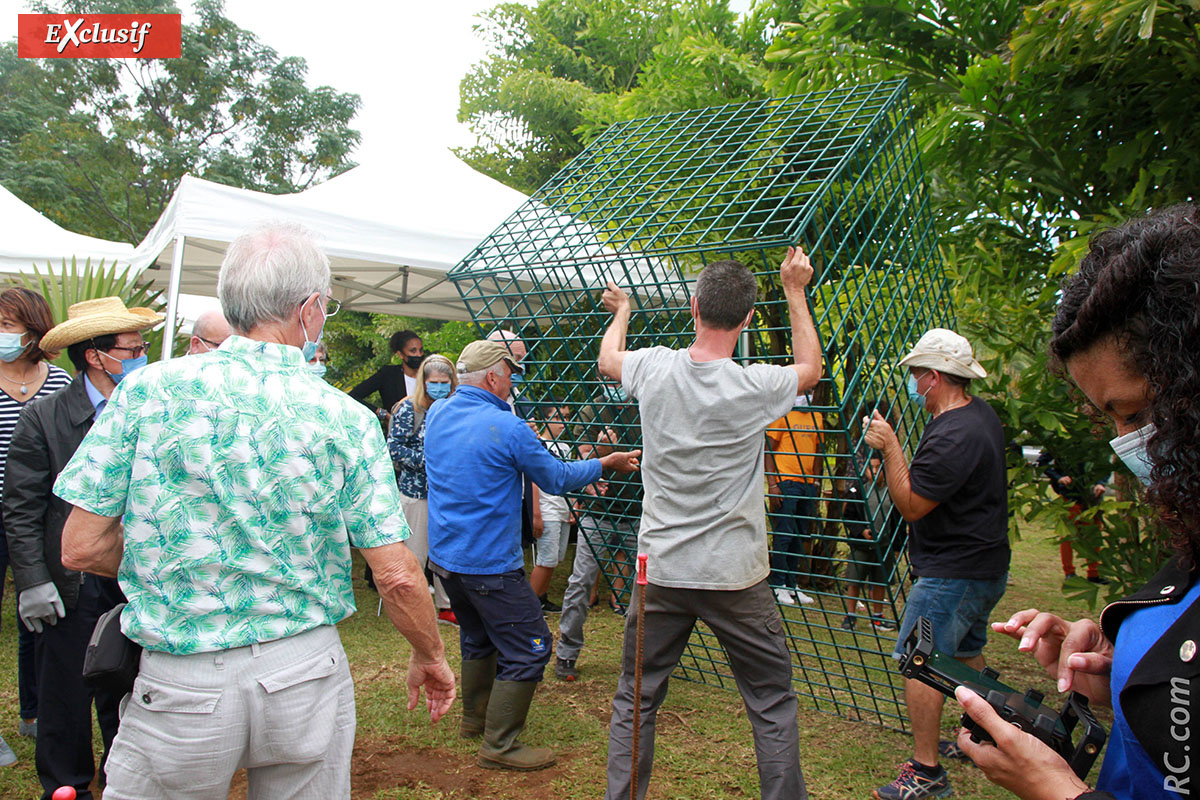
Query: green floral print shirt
{"points": [[242, 480]]}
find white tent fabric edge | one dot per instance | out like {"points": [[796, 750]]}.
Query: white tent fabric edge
{"points": [[389, 247]]}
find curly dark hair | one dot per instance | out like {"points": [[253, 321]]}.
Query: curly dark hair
{"points": [[1140, 283]]}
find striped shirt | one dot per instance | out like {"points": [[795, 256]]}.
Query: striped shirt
{"points": [[10, 410]]}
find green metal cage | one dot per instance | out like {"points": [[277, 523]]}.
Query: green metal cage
{"points": [[647, 205]]}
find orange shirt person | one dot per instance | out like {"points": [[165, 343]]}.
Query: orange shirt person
{"points": [[793, 465]]}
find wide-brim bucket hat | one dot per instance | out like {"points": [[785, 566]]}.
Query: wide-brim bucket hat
{"points": [[945, 351]]}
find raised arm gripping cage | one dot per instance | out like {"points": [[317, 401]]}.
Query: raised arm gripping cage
{"points": [[1025, 711], [647, 205]]}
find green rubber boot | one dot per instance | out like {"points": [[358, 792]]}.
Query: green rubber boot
{"points": [[506, 714], [476, 687]]}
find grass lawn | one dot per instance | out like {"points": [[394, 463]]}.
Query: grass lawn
{"points": [[704, 747]]}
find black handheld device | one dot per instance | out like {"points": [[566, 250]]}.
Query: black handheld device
{"points": [[923, 663]]}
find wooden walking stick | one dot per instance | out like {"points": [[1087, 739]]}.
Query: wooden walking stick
{"points": [[637, 674]]}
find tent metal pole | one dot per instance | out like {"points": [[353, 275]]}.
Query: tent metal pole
{"points": [[173, 297]]}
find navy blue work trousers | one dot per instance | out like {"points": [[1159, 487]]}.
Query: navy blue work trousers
{"points": [[500, 614]]}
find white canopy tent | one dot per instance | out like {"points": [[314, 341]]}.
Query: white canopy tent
{"points": [[28, 238], [392, 231]]}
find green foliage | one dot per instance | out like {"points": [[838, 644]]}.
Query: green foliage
{"points": [[73, 283], [1039, 122], [358, 342], [560, 72], [98, 145]]}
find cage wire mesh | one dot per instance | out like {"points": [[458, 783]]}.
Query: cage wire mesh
{"points": [[648, 205]]}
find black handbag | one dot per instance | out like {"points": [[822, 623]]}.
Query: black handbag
{"points": [[112, 659]]}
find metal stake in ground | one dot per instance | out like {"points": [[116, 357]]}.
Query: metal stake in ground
{"points": [[637, 675]]}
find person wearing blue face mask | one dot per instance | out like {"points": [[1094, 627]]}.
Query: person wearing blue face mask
{"points": [[436, 380], [954, 493], [318, 364], [103, 339], [1127, 332], [25, 375]]}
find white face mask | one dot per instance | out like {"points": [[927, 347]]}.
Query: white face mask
{"points": [[1131, 449]]}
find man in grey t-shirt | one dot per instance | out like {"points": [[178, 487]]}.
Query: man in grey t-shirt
{"points": [[703, 525]]}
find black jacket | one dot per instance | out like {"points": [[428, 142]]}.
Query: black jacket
{"points": [[47, 434], [1163, 691]]}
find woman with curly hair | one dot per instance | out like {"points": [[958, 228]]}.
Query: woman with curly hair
{"points": [[1128, 333]]}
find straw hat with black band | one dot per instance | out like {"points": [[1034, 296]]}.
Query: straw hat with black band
{"points": [[101, 317], [945, 351]]}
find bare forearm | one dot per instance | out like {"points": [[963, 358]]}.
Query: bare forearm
{"points": [[612, 346], [92, 543], [406, 600], [899, 482], [806, 346]]}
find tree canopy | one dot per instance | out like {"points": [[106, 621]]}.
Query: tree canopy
{"points": [[562, 70], [99, 145]]}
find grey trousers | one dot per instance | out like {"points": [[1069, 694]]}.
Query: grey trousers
{"points": [[578, 595], [748, 625], [283, 709]]}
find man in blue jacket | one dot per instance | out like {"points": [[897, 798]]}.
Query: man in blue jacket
{"points": [[476, 452]]}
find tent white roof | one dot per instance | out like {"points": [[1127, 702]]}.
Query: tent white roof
{"points": [[28, 238], [392, 230]]}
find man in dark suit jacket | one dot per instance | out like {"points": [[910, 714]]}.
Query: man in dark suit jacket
{"points": [[104, 342]]}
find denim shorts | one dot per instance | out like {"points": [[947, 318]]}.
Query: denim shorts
{"points": [[959, 610]]}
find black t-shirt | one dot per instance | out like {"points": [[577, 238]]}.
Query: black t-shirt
{"points": [[960, 464]]}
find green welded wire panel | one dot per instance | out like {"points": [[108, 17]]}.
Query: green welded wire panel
{"points": [[647, 205]]}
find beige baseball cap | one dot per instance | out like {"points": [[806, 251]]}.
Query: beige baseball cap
{"points": [[945, 351], [483, 354]]}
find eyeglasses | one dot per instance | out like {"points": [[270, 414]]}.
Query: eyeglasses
{"points": [[209, 342], [137, 351], [332, 307]]}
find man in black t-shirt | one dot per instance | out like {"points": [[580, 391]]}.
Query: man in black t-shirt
{"points": [[956, 497]]}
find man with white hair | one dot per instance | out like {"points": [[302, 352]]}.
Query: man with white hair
{"points": [[955, 494], [208, 332], [225, 493], [476, 451]]}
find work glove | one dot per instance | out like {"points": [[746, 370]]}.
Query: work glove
{"points": [[40, 604]]}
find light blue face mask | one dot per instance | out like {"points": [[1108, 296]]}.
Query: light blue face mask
{"points": [[517, 379], [128, 366], [11, 346], [317, 369], [309, 349], [438, 391], [1131, 449], [914, 393]]}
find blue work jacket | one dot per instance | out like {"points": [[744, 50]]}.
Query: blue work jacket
{"points": [[476, 450]]}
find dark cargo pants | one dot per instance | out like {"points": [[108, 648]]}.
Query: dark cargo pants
{"points": [[748, 625]]}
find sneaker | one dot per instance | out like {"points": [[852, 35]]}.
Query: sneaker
{"points": [[549, 607], [913, 784], [564, 669], [804, 599], [7, 756], [860, 607], [881, 624], [785, 597], [948, 748], [28, 729], [847, 623], [446, 617]]}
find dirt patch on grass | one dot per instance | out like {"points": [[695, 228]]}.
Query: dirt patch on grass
{"points": [[382, 765]]}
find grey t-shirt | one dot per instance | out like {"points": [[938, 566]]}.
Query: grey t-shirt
{"points": [[703, 426]]}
